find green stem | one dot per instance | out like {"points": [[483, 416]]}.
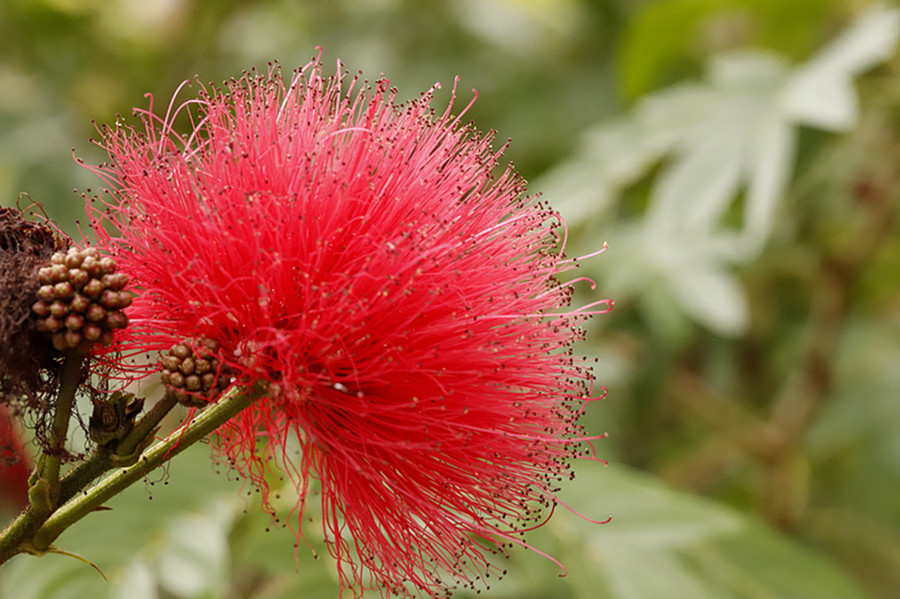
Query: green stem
{"points": [[208, 421], [23, 527], [81, 475], [44, 485], [102, 459], [146, 426], [69, 380]]}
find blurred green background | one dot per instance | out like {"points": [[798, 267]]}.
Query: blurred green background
{"points": [[740, 156]]}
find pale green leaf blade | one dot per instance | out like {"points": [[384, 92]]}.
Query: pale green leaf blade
{"points": [[821, 92], [770, 163]]}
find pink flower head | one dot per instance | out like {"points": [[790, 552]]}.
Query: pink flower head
{"points": [[400, 301]]}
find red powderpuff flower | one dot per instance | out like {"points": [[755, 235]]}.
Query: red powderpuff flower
{"points": [[399, 300]]}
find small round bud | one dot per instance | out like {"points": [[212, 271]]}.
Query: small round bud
{"points": [[116, 320], [109, 300], [73, 259], [45, 275], [202, 366], [58, 258], [208, 380], [170, 362], [115, 281], [74, 322], [95, 313], [93, 289], [53, 324], [180, 351], [58, 273], [125, 299], [107, 265], [106, 338], [46, 293], [92, 265], [73, 339], [79, 303], [187, 366], [63, 290], [192, 383], [59, 309], [41, 308], [92, 332], [176, 379], [59, 342], [78, 277]]}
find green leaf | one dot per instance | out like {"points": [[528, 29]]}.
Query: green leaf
{"points": [[260, 552], [195, 554], [821, 93], [662, 544], [763, 563], [645, 513], [138, 580], [646, 574]]}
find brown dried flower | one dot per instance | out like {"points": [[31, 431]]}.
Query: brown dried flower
{"points": [[27, 360]]}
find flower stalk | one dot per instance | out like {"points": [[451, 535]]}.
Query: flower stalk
{"points": [[44, 484], [198, 428], [49, 465], [36, 528]]}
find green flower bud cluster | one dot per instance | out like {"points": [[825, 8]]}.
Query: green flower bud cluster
{"points": [[81, 299]]}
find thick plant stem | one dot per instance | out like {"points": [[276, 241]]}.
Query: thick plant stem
{"points": [[70, 377], [146, 425], [81, 475], [208, 421], [33, 531], [14, 535], [44, 485], [104, 458]]}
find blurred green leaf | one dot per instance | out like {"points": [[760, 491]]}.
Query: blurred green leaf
{"points": [[194, 559], [270, 562], [760, 563], [645, 513], [821, 93], [650, 574], [138, 581], [729, 141], [663, 544]]}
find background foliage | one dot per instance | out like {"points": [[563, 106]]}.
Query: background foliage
{"points": [[739, 156]]}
